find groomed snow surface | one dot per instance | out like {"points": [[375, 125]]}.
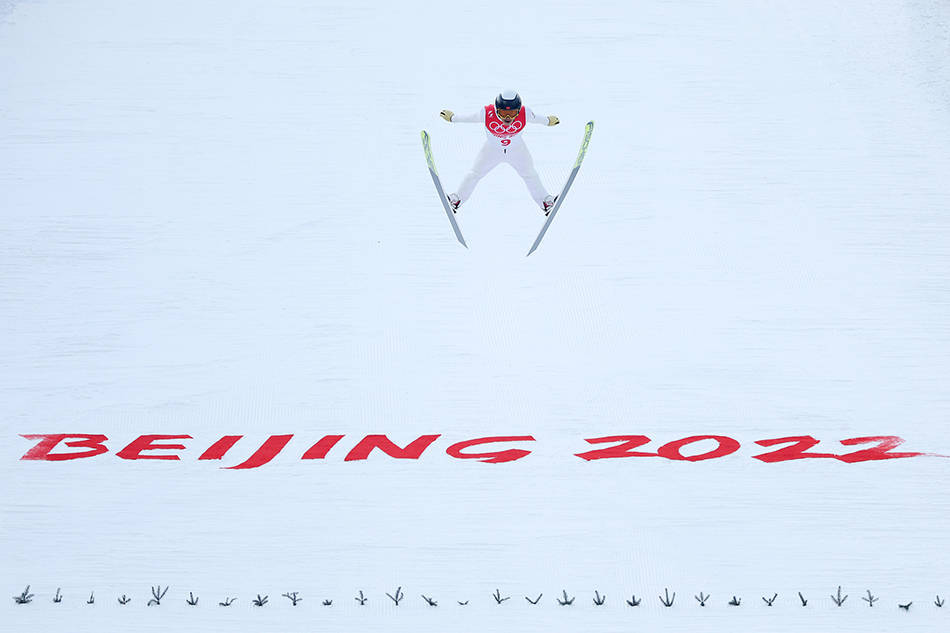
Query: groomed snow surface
{"points": [[217, 221]]}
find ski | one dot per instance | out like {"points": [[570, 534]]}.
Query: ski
{"points": [[438, 187], [588, 129]]}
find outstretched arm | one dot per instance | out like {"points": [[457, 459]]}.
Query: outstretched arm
{"points": [[477, 117], [544, 120]]}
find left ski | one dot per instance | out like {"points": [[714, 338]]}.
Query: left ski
{"points": [[438, 187], [588, 130]]}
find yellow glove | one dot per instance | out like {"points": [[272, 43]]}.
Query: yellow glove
{"points": [[553, 120], [447, 115]]}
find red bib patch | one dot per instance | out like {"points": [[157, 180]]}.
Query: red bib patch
{"points": [[499, 128]]}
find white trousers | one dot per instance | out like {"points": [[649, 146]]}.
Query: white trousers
{"points": [[516, 155]]}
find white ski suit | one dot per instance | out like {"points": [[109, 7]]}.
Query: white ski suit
{"points": [[504, 145]]}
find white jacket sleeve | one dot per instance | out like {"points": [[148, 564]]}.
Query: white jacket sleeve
{"points": [[531, 117], [477, 117]]}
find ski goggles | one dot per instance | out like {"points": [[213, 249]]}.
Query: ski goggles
{"points": [[507, 115]]}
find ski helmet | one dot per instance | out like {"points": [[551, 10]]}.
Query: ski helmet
{"points": [[508, 100]]}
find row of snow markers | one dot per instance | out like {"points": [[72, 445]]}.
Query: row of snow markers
{"points": [[158, 594]]}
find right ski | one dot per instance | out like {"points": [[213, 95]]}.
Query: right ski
{"points": [[438, 187], [588, 130]]}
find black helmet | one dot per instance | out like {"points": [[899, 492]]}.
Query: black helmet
{"points": [[508, 100]]}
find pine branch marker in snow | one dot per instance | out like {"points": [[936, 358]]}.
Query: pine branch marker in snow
{"points": [[92, 598], [192, 600], [735, 602], [227, 602], [702, 599], [769, 602], [802, 598], [124, 600], [536, 600], [939, 602], [566, 602], [362, 599], [259, 602], [399, 596], [58, 597], [157, 595], [667, 601], [293, 598], [870, 599], [497, 596], [24, 598], [328, 603], [462, 603], [430, 601], [633, 602], [905, 607], [598, 599], [839, 600]]}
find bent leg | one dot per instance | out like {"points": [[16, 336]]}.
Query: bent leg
{"points": [[520, 159], [488, 158]]}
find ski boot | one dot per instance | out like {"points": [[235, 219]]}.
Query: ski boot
{"points": [[454, 202], [548, 203]]}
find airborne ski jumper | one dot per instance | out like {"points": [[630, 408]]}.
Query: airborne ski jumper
{"points": [[504, 122]]}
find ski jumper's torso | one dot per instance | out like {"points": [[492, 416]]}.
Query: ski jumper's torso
{"points": [[501, 135], [501, 130]]}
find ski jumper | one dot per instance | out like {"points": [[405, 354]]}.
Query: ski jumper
{"points": [[503, 145]]}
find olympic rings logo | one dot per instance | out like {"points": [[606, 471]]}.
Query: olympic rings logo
{"points": [[500, 128]]}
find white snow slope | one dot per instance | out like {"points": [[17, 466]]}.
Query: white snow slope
{"points": [[217, 221]]}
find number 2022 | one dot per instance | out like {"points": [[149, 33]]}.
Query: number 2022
{"points": [[792, 448]]}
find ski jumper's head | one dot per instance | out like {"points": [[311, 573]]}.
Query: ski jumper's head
{"points": [[508, 105]]}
